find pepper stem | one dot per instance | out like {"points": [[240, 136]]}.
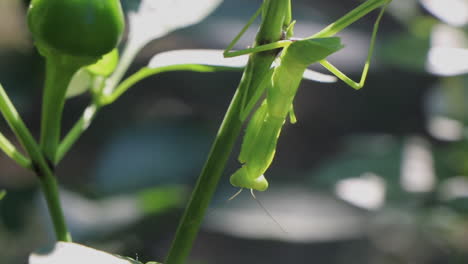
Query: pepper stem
{"points": [[59, 72]]}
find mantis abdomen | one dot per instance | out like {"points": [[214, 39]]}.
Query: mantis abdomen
{"points": [[258, 149]]}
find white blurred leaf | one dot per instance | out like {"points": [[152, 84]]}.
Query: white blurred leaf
{"points": [[156, 18], [366, 191], [79, 84], [71, 253], [215, 58], [86, 217], [201, 56], [318, 77], [453, 12], [306, 216], [447, 55], [447, 61], [448, 36]]}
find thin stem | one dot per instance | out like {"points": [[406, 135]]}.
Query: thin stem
{"points": [[42, 169], [258, 65], [350, 18], [147, 72], [100, 101], [58, 76], [11, 151], [128, 55], [80, 126]]}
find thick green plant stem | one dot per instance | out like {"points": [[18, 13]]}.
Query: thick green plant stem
{"points": [[270, 31], [80, 126], [58, 75], [40, 165]]}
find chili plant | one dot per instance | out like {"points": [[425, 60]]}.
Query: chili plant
{"points": [[81, 37]]}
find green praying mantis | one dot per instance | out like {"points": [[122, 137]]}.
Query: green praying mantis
{"points": [[281, 83]]}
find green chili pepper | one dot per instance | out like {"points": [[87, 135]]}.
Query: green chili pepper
{"points": [[76, 27], [70, 34]]}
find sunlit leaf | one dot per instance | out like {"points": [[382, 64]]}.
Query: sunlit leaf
{"points": [[454, 12], [2, 194], [71, 253], [201, 56], [447, 61], [380, 159], [79, 84], [214, 57], [155, 18], [318, 77], [448, 55], [106, 65], [448, 36]]}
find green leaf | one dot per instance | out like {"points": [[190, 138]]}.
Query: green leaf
{"points": [[159, 199], [106, 65], [79, 84], [406, 51], [2, 194]]}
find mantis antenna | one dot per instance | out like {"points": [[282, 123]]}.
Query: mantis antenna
{"points": [[261, 206], [267, 212], [235, 195]]}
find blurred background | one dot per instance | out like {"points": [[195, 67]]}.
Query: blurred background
{"points": [[372, 176]]}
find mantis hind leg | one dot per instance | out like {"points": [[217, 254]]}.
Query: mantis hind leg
{"points": [[341, 75]]}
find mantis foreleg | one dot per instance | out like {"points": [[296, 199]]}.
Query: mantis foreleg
{"points": [[248, 106], [280, 44], [227, 52]]}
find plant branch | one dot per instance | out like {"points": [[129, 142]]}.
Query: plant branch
{"points": [[80, 126], [39, 163], [146, 72], [101, 100], [58, 76], [272, 26]]}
